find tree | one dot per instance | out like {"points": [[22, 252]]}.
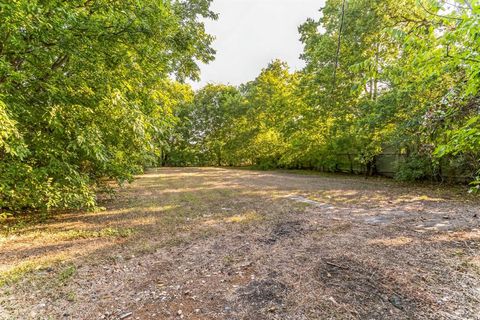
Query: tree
{"points": [[205, 127], [81, 84]]}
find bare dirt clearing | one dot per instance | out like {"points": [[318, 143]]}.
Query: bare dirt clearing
{"points": [[234, 244]]}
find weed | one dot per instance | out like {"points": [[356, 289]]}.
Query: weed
{"points": [[67, 273], [71, 296], [229, 260]]}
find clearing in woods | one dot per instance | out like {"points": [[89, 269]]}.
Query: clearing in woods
{"points": [[205, 243]]}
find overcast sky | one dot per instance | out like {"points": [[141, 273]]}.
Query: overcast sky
{"points": [[251, 33]]}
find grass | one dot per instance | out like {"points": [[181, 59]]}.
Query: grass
{"points": [[89, 234], [159, 218], [236, 226], [246, 218], [74, 234], [13, 224], [67, 273], [19, 271], [71, 296]]}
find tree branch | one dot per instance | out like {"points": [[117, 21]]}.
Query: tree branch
{"points": [[438, 15], [339, 42], [469, 5]]}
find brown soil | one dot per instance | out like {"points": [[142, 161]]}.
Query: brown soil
{"points": [[235, 244]]}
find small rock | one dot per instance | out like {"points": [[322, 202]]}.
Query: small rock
{"points": [[125, 315], [396, 301], [246, 264]]}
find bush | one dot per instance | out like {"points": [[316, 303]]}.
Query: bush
{"points": [[414, 168]]}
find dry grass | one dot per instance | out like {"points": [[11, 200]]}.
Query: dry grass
{"points": [[236, 244]]}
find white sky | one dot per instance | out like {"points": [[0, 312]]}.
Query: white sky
{"points": [[251, 33]]}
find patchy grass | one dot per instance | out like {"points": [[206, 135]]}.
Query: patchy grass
{"points": [[248, 217], [67, 273], [19, 271], [71, 296], [12, 273], [89, 234], [207, 243], [76, 234]]}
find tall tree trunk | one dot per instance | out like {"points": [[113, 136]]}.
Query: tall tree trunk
{"points": [[377, 71]]}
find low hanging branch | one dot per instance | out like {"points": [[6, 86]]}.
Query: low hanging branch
{"points": [[469, 5], [339, 42], [436, 14]]}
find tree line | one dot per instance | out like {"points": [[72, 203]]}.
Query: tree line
{"points": [[393, 75], [93, 91]]}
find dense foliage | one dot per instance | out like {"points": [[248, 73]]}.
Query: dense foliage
{"points": [[384, 76], [85, 92], [87, 95]]}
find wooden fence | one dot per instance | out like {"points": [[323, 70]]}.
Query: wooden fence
{"points": [[387, 164]]}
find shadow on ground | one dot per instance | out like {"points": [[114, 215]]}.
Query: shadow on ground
{"points": [[204, 243]]}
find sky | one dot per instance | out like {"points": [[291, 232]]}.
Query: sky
{"points": [[251, 33]]}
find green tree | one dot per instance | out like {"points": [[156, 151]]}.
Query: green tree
{"points": [[206, 126], [81, 85]]}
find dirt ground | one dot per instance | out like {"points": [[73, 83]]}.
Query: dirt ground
{"points": [[235, 244]]}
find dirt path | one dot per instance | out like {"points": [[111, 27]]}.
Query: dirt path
{"points": [[235, 244]]}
